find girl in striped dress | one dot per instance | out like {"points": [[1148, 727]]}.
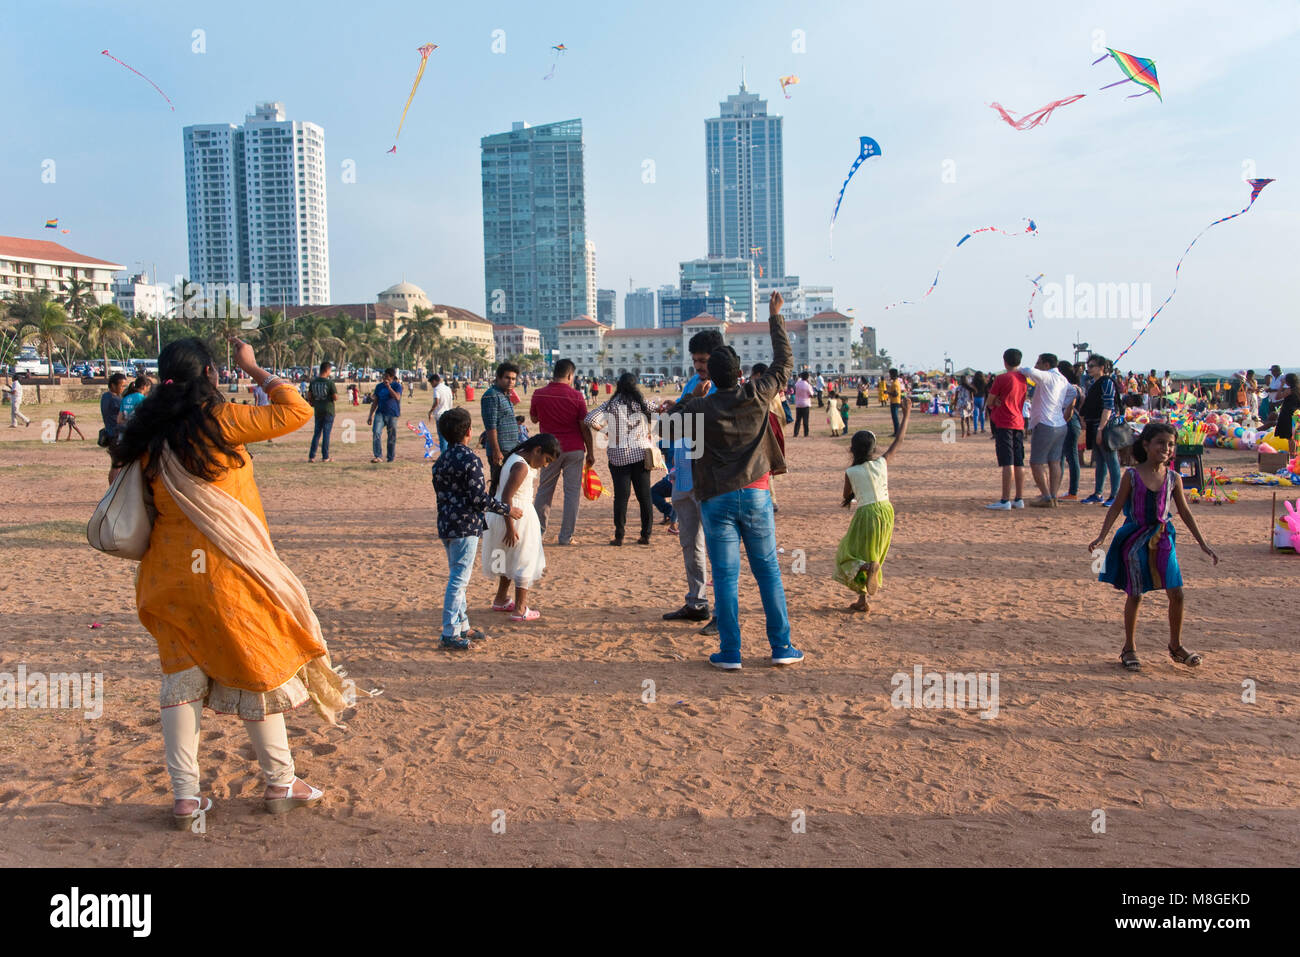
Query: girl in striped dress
{"points": [[860, 558], [1142, 557]]}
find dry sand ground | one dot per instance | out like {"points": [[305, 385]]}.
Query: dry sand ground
{"points": [[546, 721]]}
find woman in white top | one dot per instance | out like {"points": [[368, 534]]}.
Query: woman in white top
{"points": [[625, 420], [512, 549], [860, 558]]}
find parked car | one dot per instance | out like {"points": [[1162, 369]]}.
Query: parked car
{"points": [[29, 363]]}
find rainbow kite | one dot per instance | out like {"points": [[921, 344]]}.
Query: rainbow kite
{"points": [[867, 148], [143, 77], [785, 81], [1136, 69], [52, 223], [1256, 187], [1031, 229], [424, 60]]}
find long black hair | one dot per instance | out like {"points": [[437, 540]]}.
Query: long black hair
{"points": [[181, 413], [627, 392], [548, 443], [863, 446]]}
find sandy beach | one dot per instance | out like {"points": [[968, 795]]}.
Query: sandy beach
{"points": [[547, 722]]}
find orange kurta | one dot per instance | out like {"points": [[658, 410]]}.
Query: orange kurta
{"points": [[220, 618]]}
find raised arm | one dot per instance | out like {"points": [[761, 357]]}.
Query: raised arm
{"points": [[772, 382], [1115, 510], [257, 423]]}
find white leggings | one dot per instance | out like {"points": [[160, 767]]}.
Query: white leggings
{"points": [[180, 726]]}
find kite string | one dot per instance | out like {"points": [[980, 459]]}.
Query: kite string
{"points": [[1032, 229], [143, 77], [1177, 269]]}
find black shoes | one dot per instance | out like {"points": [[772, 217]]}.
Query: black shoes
{"points": [[687, 613], [711, 628]]}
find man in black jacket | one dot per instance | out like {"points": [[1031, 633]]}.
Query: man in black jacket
{"points": [[731, 479]]}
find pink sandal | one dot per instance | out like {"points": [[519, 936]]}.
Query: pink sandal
{"points": [[530, 614], [508, 606]]}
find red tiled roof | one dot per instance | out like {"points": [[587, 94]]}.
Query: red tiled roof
{"points": [[582, 322], [703, 319], [455, 312], [46, 251], [828, 316]]}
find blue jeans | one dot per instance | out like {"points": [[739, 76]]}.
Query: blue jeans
{"points": [[383, 422], [460, 568], [896, 413], [660, 493], [1106, 462], [978, 425], [785, 407], [744, 515], [324, 425], [1071, 456]]}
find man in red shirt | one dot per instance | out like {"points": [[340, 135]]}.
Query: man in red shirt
{"points": [[1006, 405], [560, 409]]}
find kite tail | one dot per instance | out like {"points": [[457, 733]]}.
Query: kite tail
{"points": [[1136, 95], [1036, 117], [143, 77], [1100, 58], [1117, 83]]}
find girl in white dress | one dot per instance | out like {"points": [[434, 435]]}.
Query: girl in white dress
{"points": [[512, 549]]}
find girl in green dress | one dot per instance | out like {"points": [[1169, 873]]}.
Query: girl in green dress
{"points": [[860, 558]]}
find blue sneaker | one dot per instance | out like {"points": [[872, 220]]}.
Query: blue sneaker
{"points": [[455, 644], [1109, 502], [1093, 499], [788, 655], [726, 660]]}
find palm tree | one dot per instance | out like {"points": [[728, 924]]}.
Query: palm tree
{"points": [[421, 335], [77, 298], [317, 339], [107, 326], [180, 299], [51, 328], [274, 333]]}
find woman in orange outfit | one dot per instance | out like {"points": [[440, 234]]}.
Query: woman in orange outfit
{"points": [[235, 630]]}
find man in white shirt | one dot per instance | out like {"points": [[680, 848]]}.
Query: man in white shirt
{"points": [[15, 391], [1276, 385], [442, 401], [1047, 427]]}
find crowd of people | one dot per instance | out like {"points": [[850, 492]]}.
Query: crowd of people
{"points": [[244, 640]]}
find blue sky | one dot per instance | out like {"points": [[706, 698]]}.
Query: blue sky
{"points": [[1118, 187]]}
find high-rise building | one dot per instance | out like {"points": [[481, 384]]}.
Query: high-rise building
{"points": [[717, 276], [639, 309], [538, 271], [255, 201], [746, 187], [607, 307]]}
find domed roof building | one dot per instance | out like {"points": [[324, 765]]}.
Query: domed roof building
{"points": [[404, 297]]}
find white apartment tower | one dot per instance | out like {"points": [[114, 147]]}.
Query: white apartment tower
{"points": [[255, 198]]}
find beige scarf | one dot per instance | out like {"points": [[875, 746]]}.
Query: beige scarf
{"points": [[230, 525]]}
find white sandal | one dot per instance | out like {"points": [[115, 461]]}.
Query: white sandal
{"points": [[183, 822], [289, 802]]}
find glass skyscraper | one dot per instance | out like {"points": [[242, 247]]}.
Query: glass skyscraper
{"points": [[255, 202], [746, 183], [536, 270]]}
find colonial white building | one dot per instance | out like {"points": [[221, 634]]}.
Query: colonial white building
{"points": [[820, 343], [516, 341], [404, 297], [28, 265], [136, 296]]}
